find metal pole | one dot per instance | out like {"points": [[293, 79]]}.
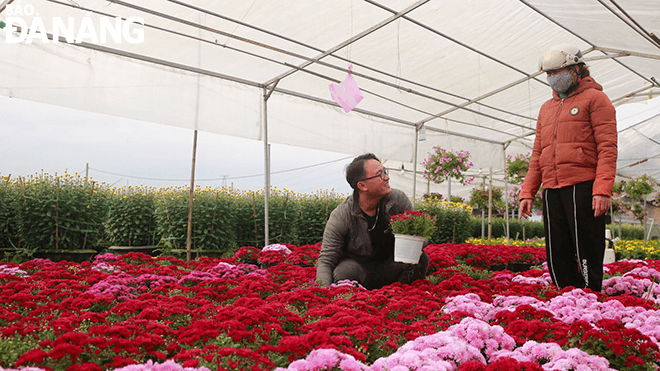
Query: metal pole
{"points": [[483, 211], [190, 200], [506, 193], [490, 206], [449, 189], [414, 195], [264, 120], [192, 167]]}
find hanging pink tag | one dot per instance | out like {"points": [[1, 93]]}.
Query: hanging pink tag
{"points": [[347, 94]]}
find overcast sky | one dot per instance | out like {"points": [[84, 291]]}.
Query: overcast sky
{"points": [[119, 151]]}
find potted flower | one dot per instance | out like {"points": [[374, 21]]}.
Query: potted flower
{"points": [[443, 164], [412, 229], [634, 193], [517, 166], [514, 194], [479, 198], [432, 197], [638, 188]]}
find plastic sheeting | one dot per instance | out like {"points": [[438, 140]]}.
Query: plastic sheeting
{"points": [[466, 69]]}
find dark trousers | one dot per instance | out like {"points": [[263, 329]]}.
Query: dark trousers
{"points": [[378, 273], [574, 239]]}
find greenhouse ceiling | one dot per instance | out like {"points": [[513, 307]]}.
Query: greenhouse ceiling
{"points": [[467, 70]]}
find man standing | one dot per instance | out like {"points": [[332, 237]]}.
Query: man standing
{"points": [[358, 243]]}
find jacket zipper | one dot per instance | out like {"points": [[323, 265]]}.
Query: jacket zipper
{"points": [[554, 141]]}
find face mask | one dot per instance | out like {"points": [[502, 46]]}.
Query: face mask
{"points": [[561, 82]]}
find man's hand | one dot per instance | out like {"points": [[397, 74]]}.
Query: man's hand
{"points": [[525, 208], [600, 205]]}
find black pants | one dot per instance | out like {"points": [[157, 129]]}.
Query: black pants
{"points": [[378, 273], [574, 239]]}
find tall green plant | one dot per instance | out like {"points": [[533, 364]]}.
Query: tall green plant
{"points": [[283, 214], [213, 228], [479, 198], [630, 197], [248, 216], [452, 220], [9, 198], [60, 212], [314, 213], [131, 220]]}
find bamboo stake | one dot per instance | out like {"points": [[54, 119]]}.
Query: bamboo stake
{"points": [[20, 181], [57, 216], [490, 206], [89, 217]]}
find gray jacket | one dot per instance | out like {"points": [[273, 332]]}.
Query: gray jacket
{"points": [[346, 233]]}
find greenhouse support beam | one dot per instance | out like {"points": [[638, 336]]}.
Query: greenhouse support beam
{"points": [[414, 193], [506, 192], [490, 205], [264, 125], [352, 39], [190, 200]]}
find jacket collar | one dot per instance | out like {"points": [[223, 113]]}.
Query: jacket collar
{"points": [[586, 83], [355, 203]]}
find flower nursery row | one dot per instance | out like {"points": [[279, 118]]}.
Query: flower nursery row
{"points": [[261, 309], [69, 212], [625, 249]]}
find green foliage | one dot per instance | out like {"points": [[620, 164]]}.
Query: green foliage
{"points": [[213, 228], [516, 167], [535, 229], [283, 215], [479, 198], [637, 188], [630, 197], [451, 219], [521, 228], [131, 220], [638, 212], [514, 195], [472, 272], [9, 198], [442, 165], [314, 213], [457, 199], [60, 212], [51, 212], [628, 232], [12, 347], [625, 349], [248, 211]]}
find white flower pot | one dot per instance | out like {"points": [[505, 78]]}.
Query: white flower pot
{"points": [[407, 249], [610, 256]]}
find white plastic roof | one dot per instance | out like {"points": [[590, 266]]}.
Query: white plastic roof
{"points": [[466, 69]]}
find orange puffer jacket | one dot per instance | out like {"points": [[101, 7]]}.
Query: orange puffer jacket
{"points": [[576, 141]]}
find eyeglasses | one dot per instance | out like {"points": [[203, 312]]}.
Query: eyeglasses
{"points": [[382, 175]]}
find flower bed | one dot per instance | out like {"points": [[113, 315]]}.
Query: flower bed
{"points": [[135, 312]]}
